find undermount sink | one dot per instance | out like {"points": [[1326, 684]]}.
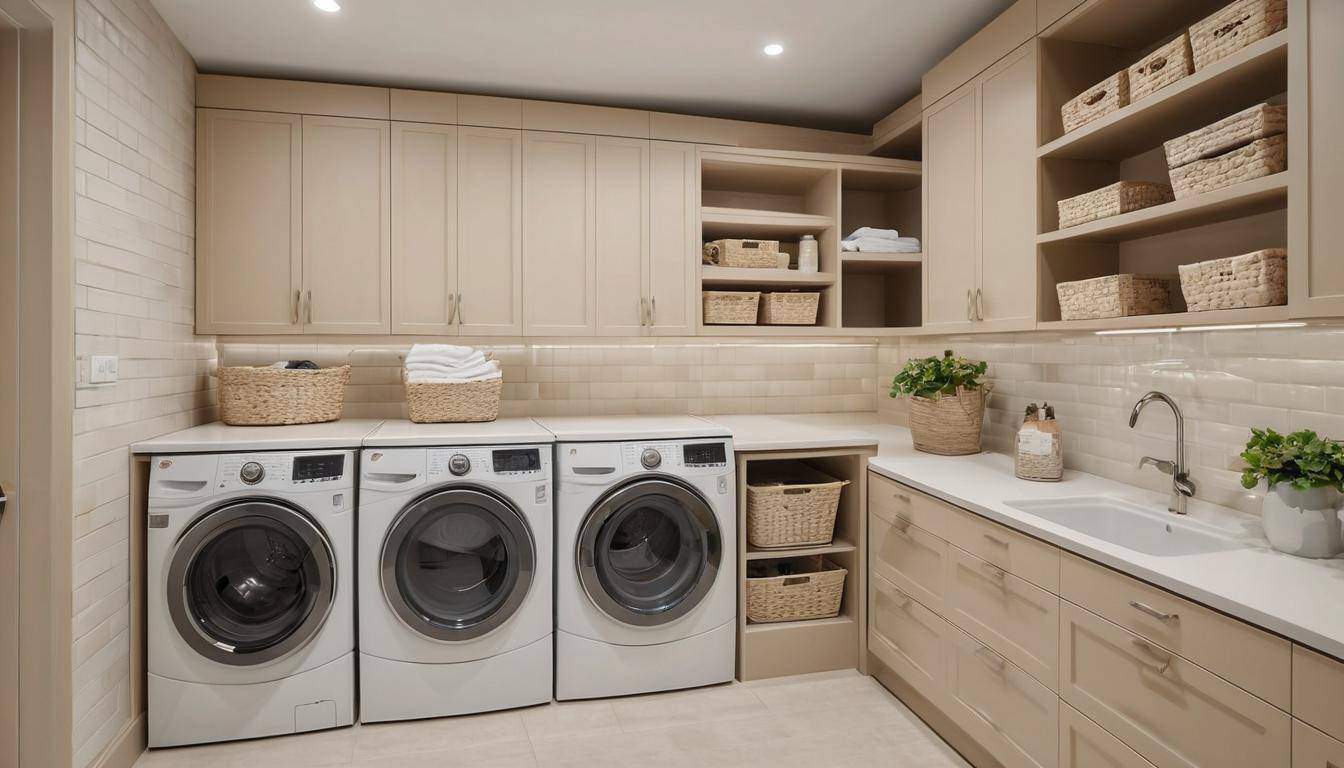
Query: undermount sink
{"points": [[1127, 524]]}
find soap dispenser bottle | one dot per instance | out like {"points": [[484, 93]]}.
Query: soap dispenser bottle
{"points": [[1039, 449]]}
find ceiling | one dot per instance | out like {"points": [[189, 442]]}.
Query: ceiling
{"points": [[846, 63]]}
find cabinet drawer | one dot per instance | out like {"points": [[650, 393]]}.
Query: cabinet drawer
{"points": [[908, 556], [1012, 716], [1033, 560], [1019, 620], [907, 637], [1255, 660], [887, 495], [1313, 749], [1318, 691], [1173, 712], [1084, 744]]}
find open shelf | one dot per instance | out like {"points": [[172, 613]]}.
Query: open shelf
{"points": [[1241, 80], [1134, 24], [1239, 200], [744, 222], [785, 626], [837, 545], [1251, 316], [875, 259], [742, 277]]}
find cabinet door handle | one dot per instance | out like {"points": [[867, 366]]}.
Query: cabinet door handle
{"points": [[653, 311], [643, 312], [1152, 652], [310, 307], [1151, 611], [452, 307], [991, 659], [979, 304], [461, 315], [969, 315], [298, 302], [998, 573], [995, 540]]}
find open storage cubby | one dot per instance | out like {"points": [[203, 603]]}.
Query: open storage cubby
{"points": [[880, 291]]}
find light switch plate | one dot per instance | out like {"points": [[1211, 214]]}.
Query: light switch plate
{"points": [[102, 369]]}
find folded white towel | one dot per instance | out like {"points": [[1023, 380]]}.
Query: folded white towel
{"points": [[882, 245], [467, 372], [428, 377], [442, 353], [862, 232], [429, 364]]}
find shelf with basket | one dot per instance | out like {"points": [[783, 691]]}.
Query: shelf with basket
{"points": [[881, 290]]}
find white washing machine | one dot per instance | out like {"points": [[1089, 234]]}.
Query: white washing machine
{"points": [[646, 546], [250, 573], [455, 569]]}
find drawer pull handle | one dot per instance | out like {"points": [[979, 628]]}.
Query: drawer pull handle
{"points": [[1151, 611], [901, 497], [998, 573], [902, 525], [996, 541], [982, 715], [991, 659], [905, 599], [1154, 654]]}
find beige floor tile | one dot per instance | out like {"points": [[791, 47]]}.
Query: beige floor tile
{"points": [[509, 754], [826, 693], [308, 750], [651, 749], [437, 734], [563, 720], [723, 702]]}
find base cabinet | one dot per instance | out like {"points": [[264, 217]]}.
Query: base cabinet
{"points": [[1004, 708], [1084, 744], [1313, 749]]}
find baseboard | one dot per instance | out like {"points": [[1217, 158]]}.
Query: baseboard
{"points": [[939, 723], [126, 748]]}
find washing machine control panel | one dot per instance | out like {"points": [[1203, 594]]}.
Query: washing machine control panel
{"points": [[671, 456], [515, 462], [282, 471]]}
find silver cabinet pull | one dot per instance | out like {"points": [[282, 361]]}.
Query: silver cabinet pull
{"points": [[4, 499], [298, 302], [1151, 611], [901, 497], [653, 311], [995, 540], [998, 573], [991, 659], [1152, 652], [643, 311], [452, 307], [310, 307], [969, 315], [979, 304], [461, 315]]}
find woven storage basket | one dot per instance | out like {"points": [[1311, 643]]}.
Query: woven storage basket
{"points": [[790, 504], [813, 590], [272, 396], [754, 254], [1262, 157], [1161, 68], [453, 402], [949, 425], [1234, 27], [789, 308], [1227, 134], [1120, 197], [1257, 279], [730, 307], [1115, 296], [1039, 456], [1098, 101]]}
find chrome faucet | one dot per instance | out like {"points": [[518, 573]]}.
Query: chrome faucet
{"points": [[1182, 487]]}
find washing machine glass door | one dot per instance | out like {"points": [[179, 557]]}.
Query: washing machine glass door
{"points": [[250, 582], [457, 563], [649, 551]]}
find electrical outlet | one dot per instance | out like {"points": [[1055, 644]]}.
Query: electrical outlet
{"points": [[102, 369]]}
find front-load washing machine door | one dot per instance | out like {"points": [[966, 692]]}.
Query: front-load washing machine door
{"points": [[250, 582], [457, 563], [649, 551]]}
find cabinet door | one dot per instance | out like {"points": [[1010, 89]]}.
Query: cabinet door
{"points": [[909, 638], [622, 178], [1084, 744], [248, 193], [674, 243], [1007, 282], [424, 228], [490, 231], [1014, 717], [1313, 749], [347, 263], [1019, 620], [908, 556], [559, 253], [950, 210]]}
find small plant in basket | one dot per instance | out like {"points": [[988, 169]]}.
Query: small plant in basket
{"points": [[947, 402]]}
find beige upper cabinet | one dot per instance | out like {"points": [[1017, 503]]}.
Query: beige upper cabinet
{"points": [[346, 225], [674, 247], [249, 188], [951, 167], [559, 245], [622, 232], [424, 228], [490, 231]]}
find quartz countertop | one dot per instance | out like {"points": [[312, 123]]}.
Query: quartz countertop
{"points": [[400, 432], [218, 437], [583, 429]]}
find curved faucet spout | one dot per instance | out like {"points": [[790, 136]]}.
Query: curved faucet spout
{"points": [[1182, 487]]}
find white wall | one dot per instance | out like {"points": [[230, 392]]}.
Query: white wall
{"points": [[134, 254]]}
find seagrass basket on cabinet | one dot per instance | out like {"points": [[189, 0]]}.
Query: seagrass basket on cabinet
{"points": [[949, 425], [789, 307], [730, 307], [790, 504], [1114, 296], [1164, 66], [1112, 200], [1238, 130], [1234, 27], [795, 589], [1262, 157], [267, 396], [455, 402], [752, 254], [1096, 102], [1257, 279]]}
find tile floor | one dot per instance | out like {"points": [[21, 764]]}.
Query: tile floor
{"points": [[830, 720]]}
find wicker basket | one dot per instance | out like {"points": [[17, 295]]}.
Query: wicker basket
{"points": [[1039, 454], [1115, 296], [753, 254], [949, 425], [809, 588], [1257, 279], [790, 504], [1262, 157], [730, 307], [1120, 197], [1234, 27], [272, 396], [1098, 101], [453, 402], [1161, 68], [1227, 134], [789, 308]]}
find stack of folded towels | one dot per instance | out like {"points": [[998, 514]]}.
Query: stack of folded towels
{"points": [[875, 240], [447, 364]]}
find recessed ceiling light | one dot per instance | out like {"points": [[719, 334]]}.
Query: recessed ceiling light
{"points": [[330, 6], [773, 49]]}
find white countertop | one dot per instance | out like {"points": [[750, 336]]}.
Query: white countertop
{"points": [[788, 433], [585, 429], [401, 432], [218, 437]]}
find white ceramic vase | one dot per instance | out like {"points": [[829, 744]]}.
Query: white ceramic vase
{"points": [[1303, 523]]}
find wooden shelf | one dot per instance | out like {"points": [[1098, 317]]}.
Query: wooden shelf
{"points": [[1232, 84], [870, 257], [836, 546], [1247, 198], [1252, 316], [743, 222], [1132, 24], [791, 278], [784, 626], [769, 330]]}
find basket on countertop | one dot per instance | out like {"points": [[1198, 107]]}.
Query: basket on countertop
{"points": [[796, 589], [1257, 279], [1246, 126], [1262, 157], [789, 308], [949, 425], [266, 396], [1164, 66], [751, 254], [453, 402], [1120, 197], [730, 307], [790, 504], [1115, 296], [1098, 101], [1234, 27]]}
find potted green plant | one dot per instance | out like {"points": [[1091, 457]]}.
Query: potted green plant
{"points": [[947, 402], [1305, 477]]}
